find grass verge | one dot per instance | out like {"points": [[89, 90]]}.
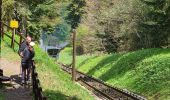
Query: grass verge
{"points": [[57, 84], [145, 71]]}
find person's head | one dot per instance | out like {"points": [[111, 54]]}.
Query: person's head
{"points": [[28, 39]]}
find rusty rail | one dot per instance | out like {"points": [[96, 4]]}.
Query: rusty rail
{"points": [[101, 89]]}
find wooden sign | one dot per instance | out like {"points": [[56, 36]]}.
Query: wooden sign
{"points": [[14, 24]]}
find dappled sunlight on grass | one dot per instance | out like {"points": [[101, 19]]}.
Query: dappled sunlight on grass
{"points": [[144, 71], [56, 84]]}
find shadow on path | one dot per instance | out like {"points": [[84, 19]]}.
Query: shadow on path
{"points": [[16, 79], [15, 91]]}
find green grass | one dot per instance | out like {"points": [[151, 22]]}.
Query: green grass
{"points": [[66, 57], [8, 40], [8, 53], [56, 84], [146, 72], [59, 85]]}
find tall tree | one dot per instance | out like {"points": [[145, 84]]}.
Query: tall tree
{"points": [[41, 15], [76, 11], [155, 27]]}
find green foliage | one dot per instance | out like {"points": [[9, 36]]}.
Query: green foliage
{"points": [[7, 9], [76, 11], [109, 24], [8, 41], [82, 31], [124, 25], [62, 31], [44, 17], [35, 16], [156, 23], [33, 3], [114, 26]]}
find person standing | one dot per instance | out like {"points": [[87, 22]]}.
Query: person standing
{"points": [[31, 55], [22, 46], [26, 62]]}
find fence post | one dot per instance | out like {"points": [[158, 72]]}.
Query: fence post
{"points": [[36, 88], [33, 83], [2, 31], [40, 93], [13, 35], [74, 57], [20, 39], [1, 72]]}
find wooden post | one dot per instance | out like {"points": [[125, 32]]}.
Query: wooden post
{"points": [[20, 39], [13, 35], [1, 72], [74, 57], [2, 31]]}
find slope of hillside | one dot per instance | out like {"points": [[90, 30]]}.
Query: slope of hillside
{"points": [[145, 71], [56, 84]]}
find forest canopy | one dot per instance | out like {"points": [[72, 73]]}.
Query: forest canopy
{"points": [[109, 26]]}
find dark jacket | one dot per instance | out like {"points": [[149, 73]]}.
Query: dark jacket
{"points": [[27, 55], [22, 47]]}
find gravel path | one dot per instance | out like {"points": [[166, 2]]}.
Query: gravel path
{"points": [[14, 90]]}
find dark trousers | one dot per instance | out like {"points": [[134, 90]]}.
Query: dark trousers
{"points": [[26, 71]]}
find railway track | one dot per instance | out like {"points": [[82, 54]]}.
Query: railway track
{"points": [[101, 89]]}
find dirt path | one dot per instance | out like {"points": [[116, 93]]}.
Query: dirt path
{"points": [[14, 90], [10, 67]]}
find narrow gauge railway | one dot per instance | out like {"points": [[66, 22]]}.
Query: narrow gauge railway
{"points": [[101, 89]]}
